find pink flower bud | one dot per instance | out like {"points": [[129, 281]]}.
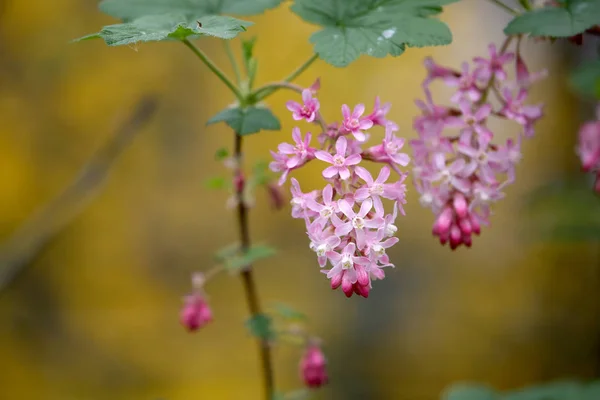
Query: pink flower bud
{"points": [[442, 224], [195, 313], [460, 205], [312, 367], [275, 196], [239, 182]]}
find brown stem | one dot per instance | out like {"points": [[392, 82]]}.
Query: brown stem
{"points": [[248, 278]]}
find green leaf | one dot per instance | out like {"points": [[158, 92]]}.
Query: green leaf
{"points": [[260, 325], [217, 182], [574, 17], [287, 312], [228, 251], [374, 27], [191, 9], [154, 28], [586, 79], [253, 254], [221, 154], [245, 121]]}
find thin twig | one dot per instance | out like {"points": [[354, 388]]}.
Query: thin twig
{"points": [[248, 278], [31, 237]]}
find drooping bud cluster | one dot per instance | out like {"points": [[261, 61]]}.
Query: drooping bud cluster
{"points": [[346, 222], [459, 170], [588, 148], [195, 312]]}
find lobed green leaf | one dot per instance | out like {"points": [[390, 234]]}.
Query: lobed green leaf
{"points": [[190, 9], [246, 121], [254, 253], [373, 27], [569, 19], [154, 28]]}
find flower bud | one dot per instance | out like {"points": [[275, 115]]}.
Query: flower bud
{"points": [[195, 313], [312, 367], [275, 196]]}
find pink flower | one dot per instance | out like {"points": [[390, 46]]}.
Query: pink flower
{"points": [[348, 270], [339, 161], [473, 120], [588, 147], [356, 221], [195, 313], [353, 123], [308, 110], [494, 66], [374, 189], [313, 367], [377, 117], [435, 71], [300, 152], [299, 200], [322, 242], [525, 115], [279, 165], [466, 84], [325, 210]]}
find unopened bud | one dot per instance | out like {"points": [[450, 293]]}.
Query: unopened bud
{"points": [[313, 367], [275, 196], [195, 313]]}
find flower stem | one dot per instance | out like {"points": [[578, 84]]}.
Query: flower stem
{"points": [[301, 68], [268, 89], [505, 7], [248, 278], [216, 70], [236, 69]]}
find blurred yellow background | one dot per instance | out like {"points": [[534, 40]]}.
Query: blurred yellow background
{"points": [[95, 316]]}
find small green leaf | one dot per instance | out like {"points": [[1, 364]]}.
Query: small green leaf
{"points": [[227, 251], [246, 121], [154, 28], [260, 325], [217, 182], [287, 312], [372, 27], [586, 79], [221, 154], [191, 9], [572, 18], [248, 48], [253, 254]]}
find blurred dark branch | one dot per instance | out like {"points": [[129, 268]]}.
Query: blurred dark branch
{"points": [[30, 238]]}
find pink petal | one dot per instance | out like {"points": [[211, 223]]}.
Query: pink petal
{"points": [[341, 145], [346, 208], [344, 172], [324, 156], [345, 111], [353, 159], [306, 96], [365, 175], [358, 111], [384, 174], [365, 207], [330, 172]]}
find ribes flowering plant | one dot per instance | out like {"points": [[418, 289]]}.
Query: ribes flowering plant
{"points": [[459, 165], [347, 224]]}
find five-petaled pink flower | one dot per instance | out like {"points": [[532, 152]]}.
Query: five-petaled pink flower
{"points": [[308, 110], [339, 161], [353, 123], [300, 152]]}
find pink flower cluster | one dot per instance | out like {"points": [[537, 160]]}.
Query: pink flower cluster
{"points": [[588, 147], [459, 174], [346, 222]]}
